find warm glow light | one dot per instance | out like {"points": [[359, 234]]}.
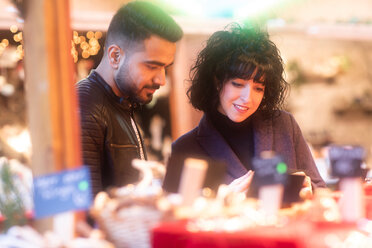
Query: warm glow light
{"points": [[16, 38], [76, 40], [89, 44], [13, 28], [93, 50], [98, 35], [74, 53], [5, 42], [90, 34], [93, 42], [84, 45], [85, 54], [82, 38], [21, 142]]}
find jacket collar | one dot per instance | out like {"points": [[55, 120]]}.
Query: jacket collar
{"points": [[216, 147], [122, 101]]}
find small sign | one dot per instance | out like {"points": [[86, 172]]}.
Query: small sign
{"points": [[346, 161], [61, 192], [270, 170]]}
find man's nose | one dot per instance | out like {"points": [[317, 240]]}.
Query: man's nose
{"points": [[160, 77]]}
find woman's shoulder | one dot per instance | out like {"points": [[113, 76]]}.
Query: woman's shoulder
{"points": [[285, 121], [186, 139], [279, 120], [282, 115], [285, 117], [278, 116]]}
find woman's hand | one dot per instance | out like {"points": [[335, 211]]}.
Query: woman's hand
{"points": [[306, 191], [241, 184]]}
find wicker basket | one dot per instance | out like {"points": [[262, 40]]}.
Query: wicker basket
{"points": [[130, 212], [128, 224]]}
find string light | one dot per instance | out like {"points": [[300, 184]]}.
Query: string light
{"points": [[17, 37], [88, 44], [90, 34], [82, 38], [74, 52], [85, 54], [4, 43], [13, 29], [20, 52], [98, 35]]}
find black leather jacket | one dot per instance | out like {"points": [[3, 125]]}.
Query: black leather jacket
{"points": [[109, 140]]}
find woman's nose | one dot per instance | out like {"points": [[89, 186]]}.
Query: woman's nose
{"points": [[246, 94]]}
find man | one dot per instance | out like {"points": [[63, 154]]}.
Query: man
{"points": [[140, 45]]}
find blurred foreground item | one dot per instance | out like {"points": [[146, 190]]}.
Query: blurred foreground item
{"points": [[127, 214], [346, 164]]}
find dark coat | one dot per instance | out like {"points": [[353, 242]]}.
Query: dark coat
{"points": [[109, 141], [280, 134]]}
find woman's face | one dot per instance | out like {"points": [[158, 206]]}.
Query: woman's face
{"points": [[240, 98]]}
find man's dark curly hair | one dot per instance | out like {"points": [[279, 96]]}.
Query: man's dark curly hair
{"points": [[238, 52], [138, 20]]}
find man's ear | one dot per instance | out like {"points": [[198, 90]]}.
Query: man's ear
{"points": [[115, 54]]}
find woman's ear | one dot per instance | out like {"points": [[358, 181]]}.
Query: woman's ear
{"points": [[114, 53]]}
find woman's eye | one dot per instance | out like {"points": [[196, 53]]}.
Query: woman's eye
{"points": [[259, 89], [237, 84]]}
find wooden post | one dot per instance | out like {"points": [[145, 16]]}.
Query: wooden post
{"points": [[50, 93]]}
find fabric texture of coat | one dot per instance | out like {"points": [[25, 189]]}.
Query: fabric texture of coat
{"points": [[280, 134]]}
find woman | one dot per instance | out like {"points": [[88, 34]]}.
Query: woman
{"points": [[237, 81]]}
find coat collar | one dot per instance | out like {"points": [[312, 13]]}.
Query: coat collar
{"points": [[216, 147]]}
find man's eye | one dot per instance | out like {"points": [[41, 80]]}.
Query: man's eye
{"points": [[259, 89], [151, 67]]}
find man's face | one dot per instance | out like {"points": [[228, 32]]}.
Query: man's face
{"points": [[142, 71]]}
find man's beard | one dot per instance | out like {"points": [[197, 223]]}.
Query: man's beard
{"points": [[128, 89], [126, 85]]}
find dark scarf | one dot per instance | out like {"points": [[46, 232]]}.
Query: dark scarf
{"points": [[239, 136]]}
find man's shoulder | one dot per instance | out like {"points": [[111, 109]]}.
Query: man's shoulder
{"points": [[91, 87], [88, 86], [91, 95]]}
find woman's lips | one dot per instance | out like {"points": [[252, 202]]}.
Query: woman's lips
{"points": [[240, 108]]}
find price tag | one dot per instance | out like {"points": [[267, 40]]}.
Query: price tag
{"points": [[61, 192], [270, 171], [346, 161]]}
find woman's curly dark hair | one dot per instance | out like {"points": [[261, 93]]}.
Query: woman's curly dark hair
{"points": [[238, 52]]}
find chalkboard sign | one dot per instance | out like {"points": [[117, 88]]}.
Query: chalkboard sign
{"points": [[270, 170], [346, 161], [61, 192]]}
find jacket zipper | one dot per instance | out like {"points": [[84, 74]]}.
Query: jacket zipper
{"points": [[123, 146], [142, 154]]}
